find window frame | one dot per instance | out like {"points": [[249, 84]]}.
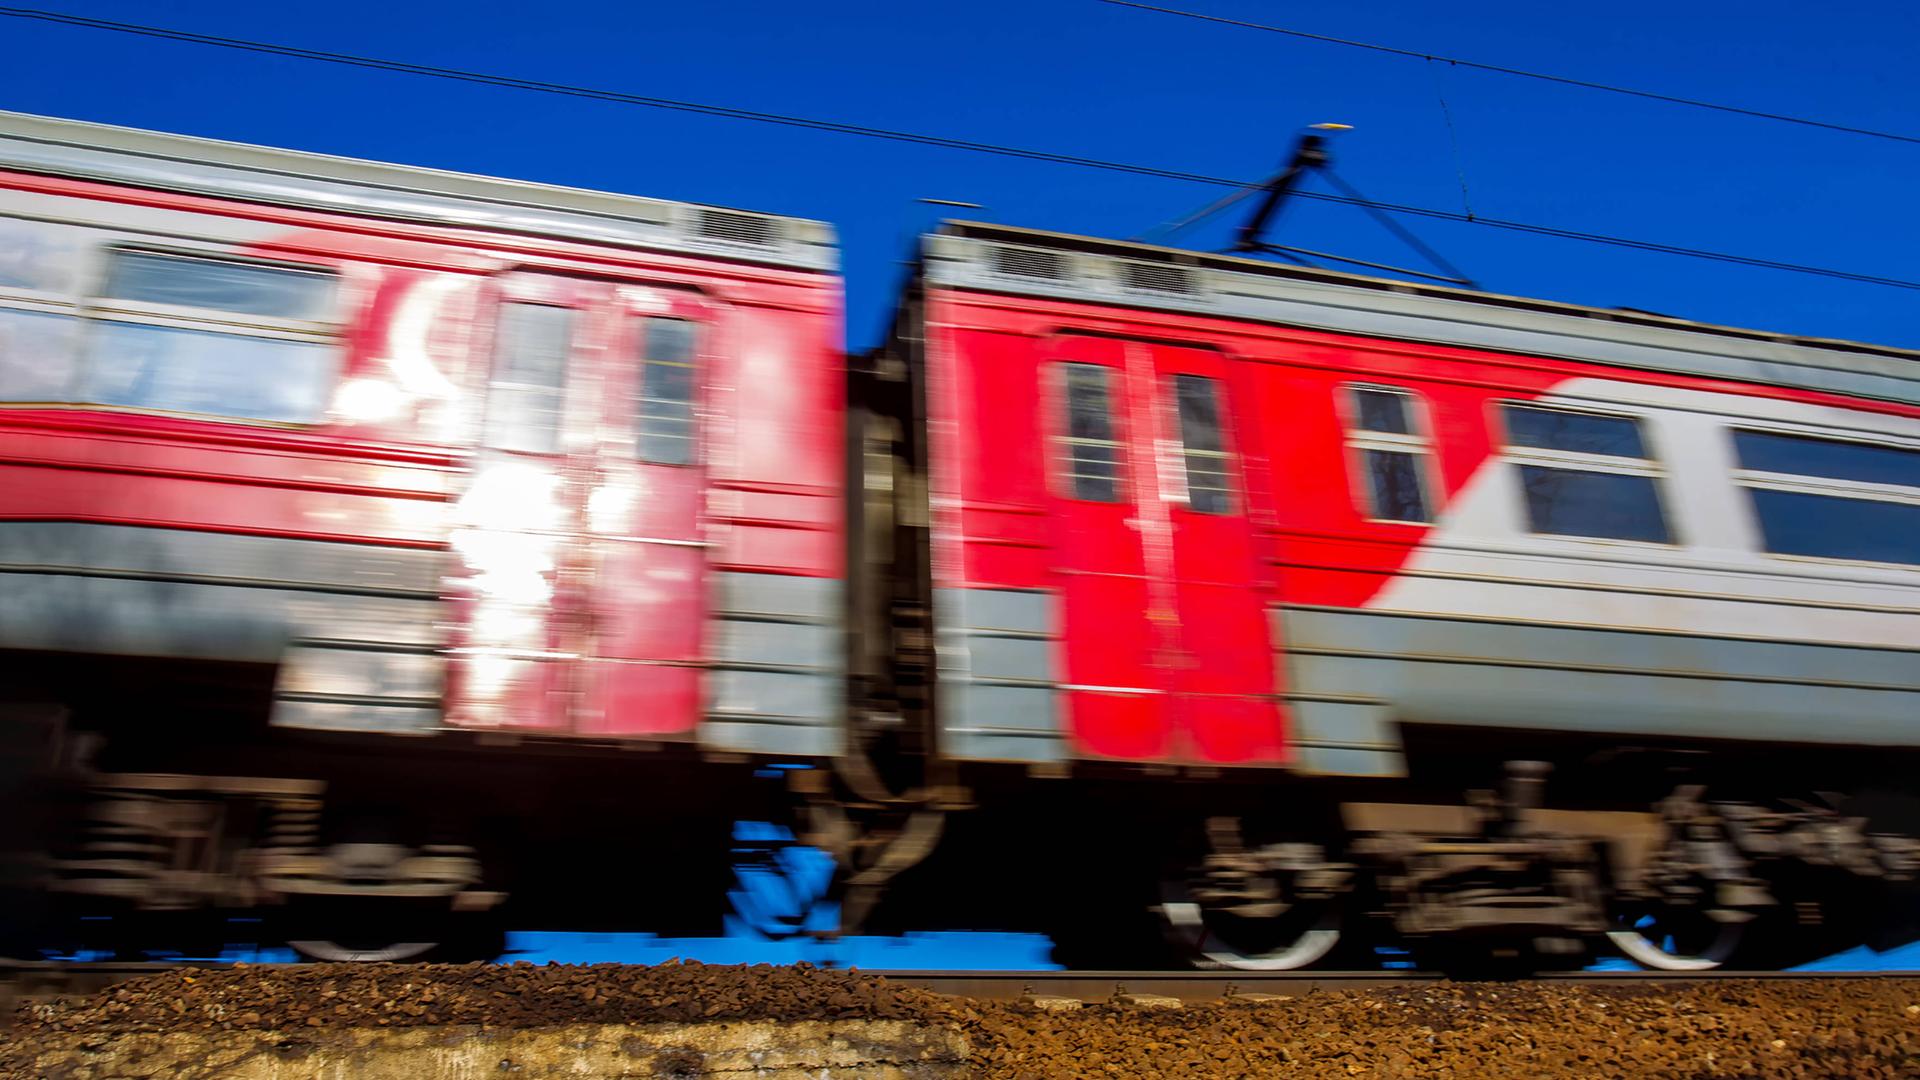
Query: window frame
{"points": [[1226, 455], [1418, 442], [1649, 467], [89, 268], [90, 310], [494, 384], [1060, 428], [115, 309], [1748, 480], [639, 329]]}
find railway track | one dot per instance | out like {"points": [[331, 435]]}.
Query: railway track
{"points": [[1191, 987], [22, 981]]}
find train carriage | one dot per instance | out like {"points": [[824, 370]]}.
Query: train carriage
{"points": [[1227, 543], [339, 495], [394, 556]]}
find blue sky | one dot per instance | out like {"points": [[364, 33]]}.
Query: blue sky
{"points": [[1087, 78]]}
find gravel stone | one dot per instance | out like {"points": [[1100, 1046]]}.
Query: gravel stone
{"points": [[1794, 1028], [1828, 1028]]}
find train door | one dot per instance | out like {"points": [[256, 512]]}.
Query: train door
{"points": [[1118, 624], [644, 551], [1222, 678], [578, 603]]}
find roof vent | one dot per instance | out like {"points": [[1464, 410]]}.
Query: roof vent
{"points": [[1029, 262], [1156, 277], [739, 228]]}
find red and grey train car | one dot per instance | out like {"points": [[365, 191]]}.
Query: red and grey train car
{"points": [[381, 545], [1261, 566], [350, 514]]}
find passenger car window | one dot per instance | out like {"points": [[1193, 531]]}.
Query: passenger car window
{"points": [[279, 367], [1585, 474], [1090, 453], [158, 332], [1383, 411], [529, 378], [1394, 490], [176, 369], [664, 416], [1830, 498], [1804, 455], [217, 285], [1574, 432], [1578, 502], [37, 354], [1393, 454], [42, 257], [1203, 446]]}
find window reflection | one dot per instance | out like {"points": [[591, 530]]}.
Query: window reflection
{"points": [[1578, 502], [1202, 444], [1393, 454], [40, 257], [1092, 453], [199, 371], [1856, 501], [1382, 411], [1803, 455], [666, 407], [1573, 432], [1393, 482], [172, 357], [219, 285], [37, 354], [1832, 527], [1584, 474], [528, 388]]}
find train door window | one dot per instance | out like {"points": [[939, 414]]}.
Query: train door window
{"points": [[1393, 453], [163, 335], [529, 378], [1585, 474], [664, 417], [1089, 451], [1827, 498], [1203, 445]]}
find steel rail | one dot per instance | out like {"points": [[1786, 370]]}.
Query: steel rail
{"points": [[1195, 987], [37, 980]]}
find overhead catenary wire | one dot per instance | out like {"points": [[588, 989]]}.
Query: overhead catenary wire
{"points": [[924, 139], [1453, 139], [1502, 69]]}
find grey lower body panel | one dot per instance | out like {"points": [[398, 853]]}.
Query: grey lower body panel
{"points": [[776, 682], [1353, 675], [354, 628], [997, 701]]}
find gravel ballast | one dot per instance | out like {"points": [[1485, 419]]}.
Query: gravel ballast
{"points": [[1866, 1028]]}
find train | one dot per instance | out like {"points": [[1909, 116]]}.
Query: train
{"points": [[390, 557]]}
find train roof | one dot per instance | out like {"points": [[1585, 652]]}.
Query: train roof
{"points": [[1006, 259], [149, 159]]}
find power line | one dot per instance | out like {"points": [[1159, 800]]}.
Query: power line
{"points": [[615, 96], [922, 139], [1564, 80]]}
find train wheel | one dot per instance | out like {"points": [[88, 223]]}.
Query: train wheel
{"points": [[1664, 938], [1219, 939], [358, 952], [462, 939], [337, 930], [1274, 907]]}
